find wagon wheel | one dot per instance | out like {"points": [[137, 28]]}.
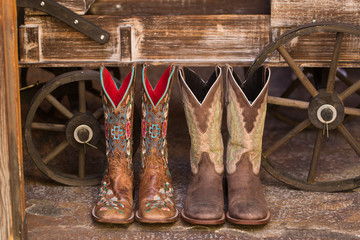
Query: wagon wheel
{"points": [[71, 148], [324, 105]]}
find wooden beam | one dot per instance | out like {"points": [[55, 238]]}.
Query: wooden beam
{"points": [[12, 207]]}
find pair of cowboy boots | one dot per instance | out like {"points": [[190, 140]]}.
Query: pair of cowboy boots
{"points": [[156, 195], [246, 110]]}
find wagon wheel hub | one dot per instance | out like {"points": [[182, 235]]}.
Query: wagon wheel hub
{"points": [[326, 113], [82, 129], [83, 134], [326, 108]]}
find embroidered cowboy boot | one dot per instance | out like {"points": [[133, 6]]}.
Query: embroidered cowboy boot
{"points": [[156, 194], [203, 105], [115, 200], [246, 110]]}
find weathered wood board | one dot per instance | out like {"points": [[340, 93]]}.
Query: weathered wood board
{"points": [[78, 6], [190, 38], [290, 13], [319, 48], [179, 7], [12, 199], [316, 49]]}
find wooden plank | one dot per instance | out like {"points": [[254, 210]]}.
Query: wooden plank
{"points": [[200, 38], [29, 43], [290, 13], [12, 207], [125, 44], [318, 48], [78, 6], [179, 7]]}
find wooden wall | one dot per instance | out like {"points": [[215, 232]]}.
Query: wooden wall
{"points": [[316, 49], [173, 38], [11, 174]]}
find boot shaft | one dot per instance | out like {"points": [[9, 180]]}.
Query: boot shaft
{"points": [[118, 104], [246, 111], [155, 110], [203, 105]]}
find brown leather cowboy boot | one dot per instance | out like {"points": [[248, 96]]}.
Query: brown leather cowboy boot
{"points": [[156, 194], [203, 107], [115, 200], [246, 110]]}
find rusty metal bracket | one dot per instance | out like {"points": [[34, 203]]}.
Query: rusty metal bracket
{"points": [[69, 17]]}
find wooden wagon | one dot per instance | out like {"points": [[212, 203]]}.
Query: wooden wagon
{"points": [[313, 38]]}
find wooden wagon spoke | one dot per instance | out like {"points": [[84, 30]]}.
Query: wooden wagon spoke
{"points": [[350, 90], [349, 138], [334, 63], [286, 102], [315, 156], [82, 97], [291, 88], [48, 127], [82, 163], [352, 111], [56, 151], [301, 76], [59, 106], [345, 80], [98, 113], [300, 127]]}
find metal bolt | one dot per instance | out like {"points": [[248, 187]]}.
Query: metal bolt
{"points": [[327, 114], [102, 37], [76, 21], [42, 3], [118, 6], [83, 135]]}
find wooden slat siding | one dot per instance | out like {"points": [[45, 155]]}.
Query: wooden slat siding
{"points": [[178, 7], [318, 48], [12, 207], [205, 38], [290, 13], [29, 43], [78, 6]]}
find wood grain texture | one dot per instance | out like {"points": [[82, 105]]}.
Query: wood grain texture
{"points": [[317, 49], [29, 43], [78, 6], [178, 7], [290, 13], [190, 38], [12, 207]]}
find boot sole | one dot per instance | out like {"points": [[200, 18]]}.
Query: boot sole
{"points": [[248, 221], [166, 220], [115, 221], [202, 221]]}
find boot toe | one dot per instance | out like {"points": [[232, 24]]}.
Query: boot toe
{"points": [[248, 210], [157, 214], [204, 211], [112, 215]]}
